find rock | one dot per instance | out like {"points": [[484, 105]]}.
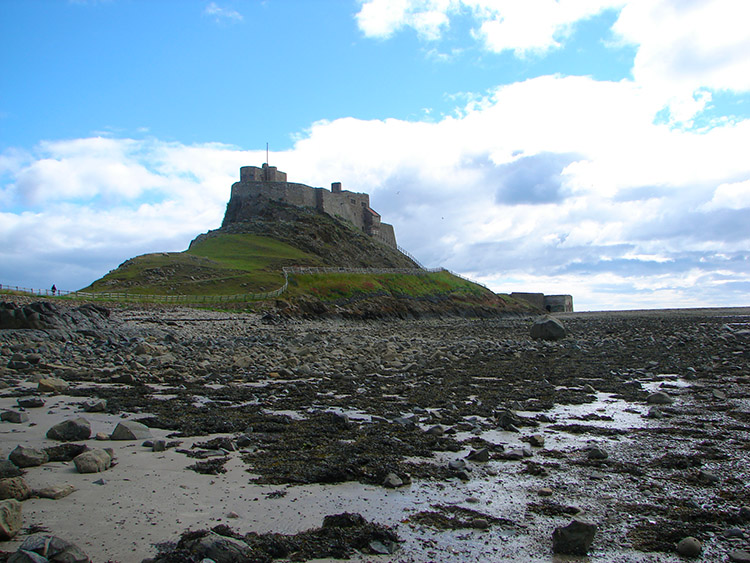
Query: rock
{"points": [[536, 440], [457, 465], [719, 394], [22, 556], [437, 430], [130, 430], [54, 549], [392, 481], [70, 430], [15, 488], [380, 548], [745, 512], [481, 455], [515, 454], [548, 328], [159, 446], [65, 452], [689, 547], [739, 556], [10, 518], [707, 477], [15, 417], [53, 385], [508, 420], [30, 402], [9, 469], [574, 539], [24, 456], [659, 398], [734, 533], [344, 520], [480, 523], [654, 412], [406, 422], [597, 453], [55, 492], [94, 405], [545, 492], [93, 461], [220, 549]]}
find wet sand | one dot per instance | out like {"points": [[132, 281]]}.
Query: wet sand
{"points": [[194, 368]]}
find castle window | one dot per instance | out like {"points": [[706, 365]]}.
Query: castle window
{"points": [[353, 200]]}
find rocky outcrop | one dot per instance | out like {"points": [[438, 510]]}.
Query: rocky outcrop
{"points": [[45, 315], [70, 430]]}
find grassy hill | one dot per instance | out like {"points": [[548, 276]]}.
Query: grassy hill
{"points": [[223, 264], [249, 257]]}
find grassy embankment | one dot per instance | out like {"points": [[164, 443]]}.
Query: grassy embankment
{"points": [[231, 264]]}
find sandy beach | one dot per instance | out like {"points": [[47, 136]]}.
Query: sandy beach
{"points": [[489, 432]]}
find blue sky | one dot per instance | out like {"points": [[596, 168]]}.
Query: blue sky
{"points": [[596, 147]]}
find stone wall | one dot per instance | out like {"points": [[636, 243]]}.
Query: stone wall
{"points": [[549, 303], [558, 303], [535, 299], [268, 182]]}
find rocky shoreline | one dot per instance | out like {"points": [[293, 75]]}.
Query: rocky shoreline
{"points": [[439, 439]]}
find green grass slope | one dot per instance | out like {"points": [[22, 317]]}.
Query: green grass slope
{"points": [[248, 258], [224, 264]]}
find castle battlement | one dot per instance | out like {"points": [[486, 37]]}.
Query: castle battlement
{"points": [[270, 183]]}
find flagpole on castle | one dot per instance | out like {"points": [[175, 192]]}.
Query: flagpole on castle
{"points": [[267, 153]]}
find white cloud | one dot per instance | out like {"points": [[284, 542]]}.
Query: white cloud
{"points": [[689, 44], [528, 26], [382, 18], [221, 14], [616, 204], [685, 49], [734, 195]]}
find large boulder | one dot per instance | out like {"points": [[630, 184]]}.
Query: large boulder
{"points": [[218, 548], [10, 518], [15, 488], [131, 430], [15, 417], [93, 461], [51, 548], [24, 456], [548, 328], [53, 385], [574, 539], [65, 452], [9, 469], [70, 430]]}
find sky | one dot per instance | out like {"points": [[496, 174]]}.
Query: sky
{"points": [[598, 148]]}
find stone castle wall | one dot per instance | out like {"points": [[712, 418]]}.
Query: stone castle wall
{"points": [[268, 182]]}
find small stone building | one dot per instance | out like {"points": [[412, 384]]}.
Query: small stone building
{"points": [[549, 303]]}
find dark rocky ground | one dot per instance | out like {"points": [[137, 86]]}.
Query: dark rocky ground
{"points": [[551, 429]]}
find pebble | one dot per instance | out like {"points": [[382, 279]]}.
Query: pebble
{"points": [[739, 556], [689, 547]]}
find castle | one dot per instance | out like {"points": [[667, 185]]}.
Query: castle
{"points": [[269, 183]]}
